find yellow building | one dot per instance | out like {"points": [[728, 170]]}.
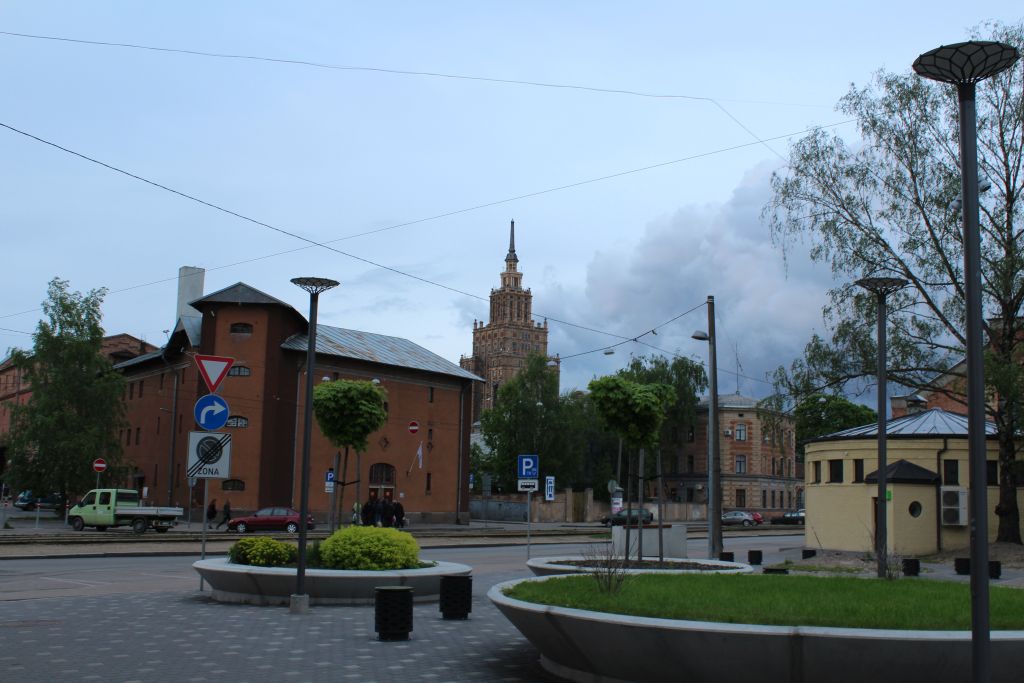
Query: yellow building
{"points": [[927, 494]]}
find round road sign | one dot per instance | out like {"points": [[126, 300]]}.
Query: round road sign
{"points": [[414, 427], [99, 464]]}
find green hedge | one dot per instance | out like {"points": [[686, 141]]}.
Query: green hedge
{"points": [[263, 551], [364, 547]]}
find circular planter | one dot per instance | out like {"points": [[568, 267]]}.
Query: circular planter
{"points": [[240, 583], [548, 566], [580, 645]]}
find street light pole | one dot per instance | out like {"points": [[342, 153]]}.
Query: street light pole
{"points": [[963, 65], [881, 287], [315, 286], [714, 505]]}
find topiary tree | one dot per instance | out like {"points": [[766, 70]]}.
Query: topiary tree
{"points": [[348, 411], [631, 410]]}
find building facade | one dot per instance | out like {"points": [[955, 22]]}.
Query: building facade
{"points": [[501, 345], [757, 457]]}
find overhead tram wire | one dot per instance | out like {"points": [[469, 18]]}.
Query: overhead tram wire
{"points": [[313, 243], [404, 72]]}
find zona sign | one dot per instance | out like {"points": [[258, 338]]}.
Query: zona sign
{"points": [[414, 426], [99, 465]]}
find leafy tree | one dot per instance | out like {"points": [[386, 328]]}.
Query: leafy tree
{"points": [[75, 409], [885, 207], [631, 410], [348, 411], [528, 418], [821, 414]]}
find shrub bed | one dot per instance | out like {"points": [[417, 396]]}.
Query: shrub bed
{"points": [[263, 551], [362, 547]]}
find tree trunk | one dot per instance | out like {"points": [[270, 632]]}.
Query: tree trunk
{"points": [[1007, 511]]}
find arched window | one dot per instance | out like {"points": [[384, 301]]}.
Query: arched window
{"points": [[237, 421], [241, 328], [239, 371], [382, 474]]}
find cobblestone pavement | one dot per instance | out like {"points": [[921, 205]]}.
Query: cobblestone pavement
{"points": [[176, 637]]}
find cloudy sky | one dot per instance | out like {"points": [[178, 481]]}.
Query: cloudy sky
{"points": [[404, 136]]}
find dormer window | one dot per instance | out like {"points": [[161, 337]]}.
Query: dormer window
{"points": [[241, 328]]}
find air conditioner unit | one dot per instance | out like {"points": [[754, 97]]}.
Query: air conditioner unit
{"points": [[954, 506], [728, 432]]}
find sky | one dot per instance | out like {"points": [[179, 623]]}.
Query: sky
{"points": [[407, 165]]}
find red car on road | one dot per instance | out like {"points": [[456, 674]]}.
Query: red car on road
{"points": [[270, 519]]}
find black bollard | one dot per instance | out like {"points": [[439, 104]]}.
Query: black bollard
{"points": [[725, 556], [456, 600], [392, 619], [911, 566], [962, 565], [753, 557]]}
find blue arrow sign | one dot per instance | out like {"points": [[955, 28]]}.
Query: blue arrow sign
{"points": [[211, 412], [529, 466]]}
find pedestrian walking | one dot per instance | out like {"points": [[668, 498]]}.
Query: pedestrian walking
{"points": [[226, 511], [211, 513], [387, 512], [399, 514]]}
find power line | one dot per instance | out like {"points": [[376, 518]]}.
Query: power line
{"points": [[325, 245], [637, 337], [401, 72]]}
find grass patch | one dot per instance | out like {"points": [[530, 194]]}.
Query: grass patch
{"points": [[818, 568], [785, 600]]}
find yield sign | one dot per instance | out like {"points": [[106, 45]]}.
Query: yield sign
{"points": [[213, 369]]}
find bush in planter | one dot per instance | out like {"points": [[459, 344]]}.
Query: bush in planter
{"points": [[364, 547], [262, 551]]}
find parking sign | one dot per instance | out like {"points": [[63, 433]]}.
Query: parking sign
{"points": [[529, 467]]}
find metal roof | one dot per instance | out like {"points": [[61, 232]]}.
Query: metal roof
{"points": [[240, 293], [139, 359], [934, 422], [729, 401], [376, 348], [904, 472]]}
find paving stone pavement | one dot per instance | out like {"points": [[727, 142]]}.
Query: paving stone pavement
{"points": [[188, 638]]}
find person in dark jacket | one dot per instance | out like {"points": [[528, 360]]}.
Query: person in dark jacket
{"points": [[211, 513], [226, 511], [387, 512], [399, 515]]}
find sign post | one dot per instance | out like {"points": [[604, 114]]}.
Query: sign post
{"points": [[528, 471], [99, 465]]}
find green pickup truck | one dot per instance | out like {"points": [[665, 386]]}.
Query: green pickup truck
{"points": [[103, 508]]}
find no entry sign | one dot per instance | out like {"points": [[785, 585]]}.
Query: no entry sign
{"points": [[99, 465], [414, 427]]}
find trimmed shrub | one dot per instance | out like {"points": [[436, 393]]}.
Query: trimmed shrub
{"points": [[262, 551], [363, 547]]}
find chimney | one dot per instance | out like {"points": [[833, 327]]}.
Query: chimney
{"points": [[190, 288]]}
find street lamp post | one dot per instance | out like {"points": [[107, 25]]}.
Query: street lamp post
{"points": [[714, 462], [881, 287], [963, 65], [315, 286]]}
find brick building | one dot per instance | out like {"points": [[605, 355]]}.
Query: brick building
{"points": [[427, 469], [758, 460], [501, 345]]}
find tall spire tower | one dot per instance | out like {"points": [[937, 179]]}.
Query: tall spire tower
{"points": [[502, 344]]}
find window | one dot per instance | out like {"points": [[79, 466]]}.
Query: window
{"points": [[689, 463], [430, 394], [773, 498], [817, 471], [157, 424], [951, 472], [241, 328], [764, 498], [104, 498], [128, 437], [142, 383], [835, 471], [237, 421], [992, 473], [138, 431], [690, 435], [382, 474], [241, 371], [428, 482], [741, 432], [858, 470], [741, 498], [741, 464], [131, 390], [430, 435]]}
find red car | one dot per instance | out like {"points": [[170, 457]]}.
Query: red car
{"points": [[270, 519]]}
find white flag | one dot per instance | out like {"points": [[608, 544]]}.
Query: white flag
{"points": [[419, 454]]}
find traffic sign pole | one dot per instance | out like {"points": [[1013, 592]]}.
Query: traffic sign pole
{"points": [[529, 496]]}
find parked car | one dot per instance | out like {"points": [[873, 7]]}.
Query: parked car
{"points": [[738, 517], [270, 519], [53, 501], [791, 517], [637, 515]]}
